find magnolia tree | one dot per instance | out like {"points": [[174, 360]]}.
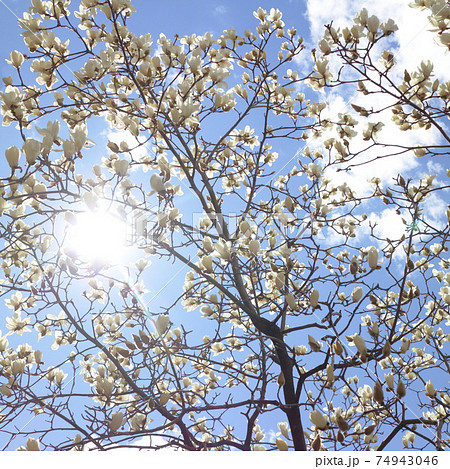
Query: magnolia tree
{"points": [[300, 324]]}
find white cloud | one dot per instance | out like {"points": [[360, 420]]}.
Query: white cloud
{"points": [[434, 211], [138, 148], [415, 41], [146, 443], [410, 45], [375, 164], [389, 224], [340, 12], [220, 10]]}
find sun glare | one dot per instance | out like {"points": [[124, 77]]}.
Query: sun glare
{"points": [[97, 237]]}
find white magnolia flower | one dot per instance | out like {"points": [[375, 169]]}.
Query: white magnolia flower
{"points": [[156, 183], [207, 244], [284, 429], [18, 366], [12, 157], [33, 444], [223, 249], [161, 323], [357, 294], [360, 344], [79, 135], [318, 419], [281, 444], [31, 148], [431, 392], [254, 246], [116, 421], [389, 378], [314, 298], [16, 58], [90, 199], [121, 167], [207, 263], [372, 257]]}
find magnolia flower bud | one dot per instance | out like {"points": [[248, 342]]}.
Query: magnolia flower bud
{"points": [[357, 294], [161, 323], [5, 390], [279, 280], [386, 349], [431, 392], [318, 419], [389, 378], [3, 343], [315, 346], [337, 346], [207, 244], [280, 380], [69, 217], [3, 206], [79, 136], [330, 374], [138, 421], [31, 148], [12, 157], [372, 257], [360, 344], [207, 263], [90, 199], [281, 444], [40, 189], [401, 390], [378, 394], [369, 430], [107, 386], [324, 46], [162, 218], [419, 152], [254, 246], [300, 350], [116, 422], [374, 331], [289, 203], [244, 228], [38, 356], [314, 298], [164, 398], [284, 429], [156, 183], [354, 266], [290, 300], [186, 382], [273, 239], [342, 423]]}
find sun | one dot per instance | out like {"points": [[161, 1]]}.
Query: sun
{"points": [[97, 237]]}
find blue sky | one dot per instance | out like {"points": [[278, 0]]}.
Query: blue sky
{"points": [[308, 16]]}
